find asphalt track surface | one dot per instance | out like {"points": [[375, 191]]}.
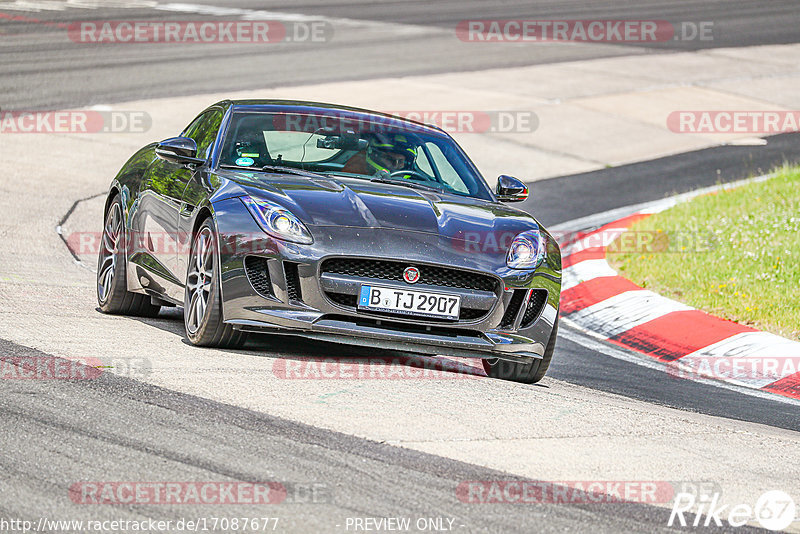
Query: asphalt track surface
{"points": [[43, 69], [80, 435], [56, 432]]}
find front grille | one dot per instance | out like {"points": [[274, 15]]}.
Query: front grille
{"points": [[343, 299], [258, 273], [512, 311], [535, 305], [393, 270], [292, 281], [469, 314]]}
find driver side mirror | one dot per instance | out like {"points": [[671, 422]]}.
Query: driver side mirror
{"points": [[181, 150], [509, 189]]}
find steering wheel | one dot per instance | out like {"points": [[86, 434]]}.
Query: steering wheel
{"points": [[412, 172]]}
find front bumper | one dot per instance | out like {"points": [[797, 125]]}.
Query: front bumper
{"points": [[296, 296], [390, 335]]}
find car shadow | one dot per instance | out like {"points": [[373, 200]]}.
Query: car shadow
{"points": [[297, 357]]}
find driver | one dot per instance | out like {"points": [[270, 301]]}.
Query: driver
{"points": [[385, 153]]}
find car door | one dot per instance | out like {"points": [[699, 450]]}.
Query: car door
{"points": [[197, 188], [157, 223]]}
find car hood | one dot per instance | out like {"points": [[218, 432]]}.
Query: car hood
{"points": [[359, 203]]}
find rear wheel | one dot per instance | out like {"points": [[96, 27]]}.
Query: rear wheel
{"points": [[202, 310], [112, 286], [524, 372]]}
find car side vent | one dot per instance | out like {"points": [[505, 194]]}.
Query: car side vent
{"points": [[292, 281], [535, 306], [258, 273], [513, 309]]}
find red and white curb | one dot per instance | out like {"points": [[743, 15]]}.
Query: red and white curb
{"points": [[691, 343]]}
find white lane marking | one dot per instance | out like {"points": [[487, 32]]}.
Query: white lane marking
{"points": [[657, 209], [112, 4], [583, 271], [753, 359], [625, 311], [203, 9], [747, 141], [260, 14], [586, 338], [37, 6], [396, 28]]}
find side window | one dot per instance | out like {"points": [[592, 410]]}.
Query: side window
{"points": [[192, 130], [204, 131], [449, 175], [209, 133]]}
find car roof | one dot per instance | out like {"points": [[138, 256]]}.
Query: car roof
{"points": [[301, 106]]}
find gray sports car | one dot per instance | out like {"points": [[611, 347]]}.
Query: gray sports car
{"points": [[332, 223]]}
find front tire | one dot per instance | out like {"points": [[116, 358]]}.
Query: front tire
{"points": [[524, 372], [112, 286], [202, 309]]}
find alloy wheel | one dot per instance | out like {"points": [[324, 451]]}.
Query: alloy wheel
{"points": [[200, 277], [112, 231]]}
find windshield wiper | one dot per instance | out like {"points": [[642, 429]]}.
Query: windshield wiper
{"points": [[406, 183], [291, 170], [228, 166]]}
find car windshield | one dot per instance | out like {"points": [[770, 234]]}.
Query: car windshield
{"points": [[370, 147]]}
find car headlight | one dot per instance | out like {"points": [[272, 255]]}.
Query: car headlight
{"points": [[526, 250], [277, 221]]}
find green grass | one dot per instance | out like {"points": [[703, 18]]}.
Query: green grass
{"points": [[735, 254]]}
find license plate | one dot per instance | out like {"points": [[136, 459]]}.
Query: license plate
{"points": [[408, 302]]}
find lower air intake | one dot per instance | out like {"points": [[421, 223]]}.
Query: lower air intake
{"points": [[290, 269], [535, 306], [257, 271]]}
